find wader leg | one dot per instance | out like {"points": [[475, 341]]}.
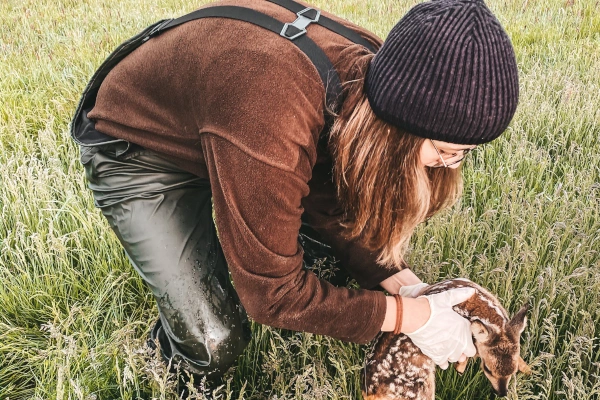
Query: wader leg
{"points": [[163, 218]]}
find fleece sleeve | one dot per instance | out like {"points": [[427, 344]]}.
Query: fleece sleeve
{"points": [[257, 211]]}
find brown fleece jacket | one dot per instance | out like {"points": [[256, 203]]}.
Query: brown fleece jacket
{"points": [[242, 106]]}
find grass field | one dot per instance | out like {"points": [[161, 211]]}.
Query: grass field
{"points": [[74, 315]]}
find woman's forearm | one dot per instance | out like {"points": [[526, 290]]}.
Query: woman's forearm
{"points": [[415, 312], [389, 323]]}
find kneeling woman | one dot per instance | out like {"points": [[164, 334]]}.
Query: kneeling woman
{"points": [[223, 113]]}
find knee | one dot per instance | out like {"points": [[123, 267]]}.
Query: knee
{"points": [[224, 351], [219, 351]]}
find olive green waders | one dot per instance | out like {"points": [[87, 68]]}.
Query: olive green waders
{"points": [[162, 216]]}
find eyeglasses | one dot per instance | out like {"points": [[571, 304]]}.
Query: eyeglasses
{"points": [[444, 163]]}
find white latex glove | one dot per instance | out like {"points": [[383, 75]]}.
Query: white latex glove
{"points": [[412, 290], [446, 335]]}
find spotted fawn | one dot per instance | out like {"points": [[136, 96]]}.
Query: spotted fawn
{"points": [[397, 370]]}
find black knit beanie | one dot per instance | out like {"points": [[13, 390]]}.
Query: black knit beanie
{"points": [[447, 71]]}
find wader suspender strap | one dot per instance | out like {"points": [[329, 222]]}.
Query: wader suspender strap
{"points": [[294, 31], [330, 78]]}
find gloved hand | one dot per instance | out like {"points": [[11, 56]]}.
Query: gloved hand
{"points": [[412, 290], [446, 335]]}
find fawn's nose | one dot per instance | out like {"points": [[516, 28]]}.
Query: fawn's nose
{"points": [[502, 390]]}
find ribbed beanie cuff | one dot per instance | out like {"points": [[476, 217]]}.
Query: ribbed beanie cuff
{"points": [[446, 71]]}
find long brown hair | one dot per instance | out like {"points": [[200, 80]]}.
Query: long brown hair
{"points": [[382, 186]]}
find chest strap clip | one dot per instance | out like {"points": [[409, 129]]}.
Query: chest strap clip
{"points": [[157, 30], [298, 28]]}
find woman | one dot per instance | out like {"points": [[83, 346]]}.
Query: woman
{"points": [[219, 112]]}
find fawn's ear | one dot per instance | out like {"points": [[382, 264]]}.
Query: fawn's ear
{"points": [[480, 332], [517, 324]]}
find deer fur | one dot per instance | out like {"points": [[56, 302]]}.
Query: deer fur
{"points": [[397, 370]]}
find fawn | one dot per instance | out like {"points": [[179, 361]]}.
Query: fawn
{"points": [[396, 368]]}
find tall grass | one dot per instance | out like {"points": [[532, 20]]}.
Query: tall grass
{"points": [[74, 315]]}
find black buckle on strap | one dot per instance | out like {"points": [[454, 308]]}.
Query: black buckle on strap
{"points": [[157, 29], [298, 28]]}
